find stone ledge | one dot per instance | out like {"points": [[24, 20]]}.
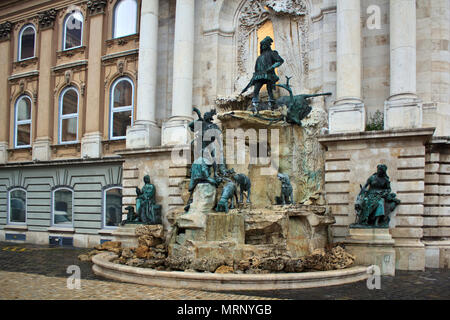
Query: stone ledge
{"points": [[221, 282], [15, 227], [61, 229], [424, 133]]}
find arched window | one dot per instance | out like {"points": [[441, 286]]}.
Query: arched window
{"points": [[121, 110], [68, 116], [62, 206], [125, 18], [73, 31], [17, 206], [22, 130], [27, 41], [112, 207]]}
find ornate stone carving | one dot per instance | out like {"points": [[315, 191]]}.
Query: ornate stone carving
{"points": [[25, 63], [120, 66], [294, 7], [256, 12], [96, 6], [22, 86], [253, 14], [68, 76], [5, 31], [47, 19]]}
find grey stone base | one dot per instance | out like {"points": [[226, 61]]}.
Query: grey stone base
{"points": [[372, 247]]}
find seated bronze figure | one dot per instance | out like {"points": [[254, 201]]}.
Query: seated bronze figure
{"points": [[375, 202]]}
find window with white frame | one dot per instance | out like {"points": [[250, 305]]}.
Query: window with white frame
{"points": [[68, 116], [121, 109], [22, 130], [112, 207], [125, 18], [27, 42], [62, 206], [73, 31], [17, 206]]}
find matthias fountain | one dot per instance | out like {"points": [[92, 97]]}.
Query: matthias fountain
{"points": [[255, 211]]}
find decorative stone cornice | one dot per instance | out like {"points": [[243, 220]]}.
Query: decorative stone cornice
{"points": [[96, 7], [47, 19], [5, 31]]}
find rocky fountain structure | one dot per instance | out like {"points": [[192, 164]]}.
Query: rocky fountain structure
{"points": [[258, 210]]}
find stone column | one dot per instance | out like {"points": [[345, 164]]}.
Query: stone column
{"points": [[175, 131], [5, 63], [91, 143], [403, 109], [347, 114], [145, 132], [44, 119]]}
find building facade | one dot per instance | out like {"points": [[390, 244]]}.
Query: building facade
{"points": [[96, 94]]}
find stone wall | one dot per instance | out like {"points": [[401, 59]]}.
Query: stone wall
{"points": [[153, 162], [376, 58], [433, 63], [351, 159], [436, 222], [87, 179]]}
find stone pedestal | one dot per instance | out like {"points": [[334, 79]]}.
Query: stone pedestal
{"points": [[223, 235], [203, 202], [143, 135], [175, 132], [91, 145], [372, 247], [3, 152], [41, 149], [347, 116], [127, 235], [403, 113]]}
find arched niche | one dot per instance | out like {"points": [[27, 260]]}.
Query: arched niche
{"points": [[241, 24]]}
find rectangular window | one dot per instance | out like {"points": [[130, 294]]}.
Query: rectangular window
{"points": [[122, 101], [121, 120], [62, 207], [17, 206], [23, 134], [113, 207]]}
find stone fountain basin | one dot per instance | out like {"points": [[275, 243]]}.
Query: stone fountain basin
{"points": [[224, 282]]}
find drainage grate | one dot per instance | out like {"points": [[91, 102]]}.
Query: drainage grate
{"points": [[15, 236], [60, 241]]}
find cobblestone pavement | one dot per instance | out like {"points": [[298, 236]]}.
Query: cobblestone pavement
{"points": [[40, 272], [432, 284]]}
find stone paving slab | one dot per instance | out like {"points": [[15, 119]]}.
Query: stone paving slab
{"points": [[26, 286], [33, 272]]}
